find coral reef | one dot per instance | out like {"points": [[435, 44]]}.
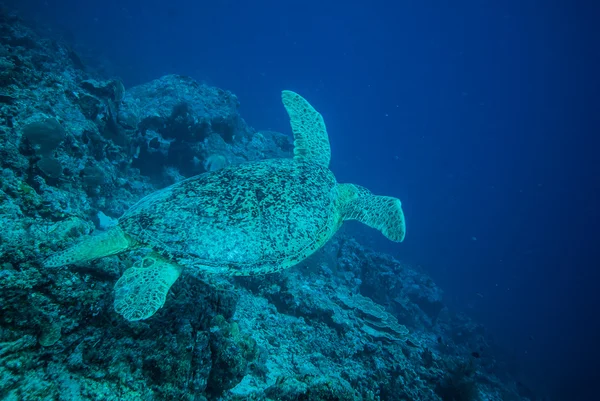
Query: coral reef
{"points": [[76, 150]]}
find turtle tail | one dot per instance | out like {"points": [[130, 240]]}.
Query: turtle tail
{"points": [[383, 213], [111, 242]]}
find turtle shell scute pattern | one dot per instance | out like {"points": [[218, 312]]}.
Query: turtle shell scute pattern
{"points": [[252, 218]]}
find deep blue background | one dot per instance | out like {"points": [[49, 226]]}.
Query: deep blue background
{"points": [[482, 116]]}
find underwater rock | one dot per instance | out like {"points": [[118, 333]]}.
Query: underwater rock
{"points": [[44, 135]]}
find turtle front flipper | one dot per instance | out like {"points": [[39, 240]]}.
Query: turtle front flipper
{"points": [[311, 142], [383, 213], [109, 243], [143, 288]]}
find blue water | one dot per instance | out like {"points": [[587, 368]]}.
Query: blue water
{"points": [[482, 116]]}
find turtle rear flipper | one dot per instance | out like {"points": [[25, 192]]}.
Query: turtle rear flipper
{"points": [[143, 288], [109, 243], [383, 213]]}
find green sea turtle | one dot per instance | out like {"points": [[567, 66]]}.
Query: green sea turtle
{"points": [[252, 218]]}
